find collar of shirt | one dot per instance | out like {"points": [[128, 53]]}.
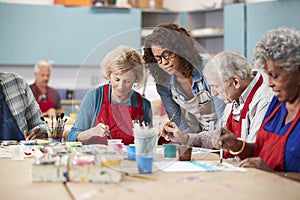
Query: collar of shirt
{"points": [[247, 91], [197, 77], [197, 81], [238, 106], [116, 102]]}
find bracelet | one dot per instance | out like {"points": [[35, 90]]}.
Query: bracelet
{"points": [[242, 148], [284, 174]]}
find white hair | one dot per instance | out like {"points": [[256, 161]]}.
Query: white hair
{"points": [[230, 64], [279, 45], [42, 63]]}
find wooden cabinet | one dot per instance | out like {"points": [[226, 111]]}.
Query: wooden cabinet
{"points": [[207, 28], [152, 18]]}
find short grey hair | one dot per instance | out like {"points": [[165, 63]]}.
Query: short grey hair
{"points": [[230, 64], [123, 59], [42, 63], [280, 46]]}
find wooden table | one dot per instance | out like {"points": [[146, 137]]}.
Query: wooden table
{"points": [[16, 183], [254, 184]]}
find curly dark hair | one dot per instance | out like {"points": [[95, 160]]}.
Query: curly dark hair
{"points": [[176, 40]]}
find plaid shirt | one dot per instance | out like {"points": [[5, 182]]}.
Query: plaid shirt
{"points": [[21, 102]]}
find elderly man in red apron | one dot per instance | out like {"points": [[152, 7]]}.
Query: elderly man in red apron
{"points": [[48, 98], [231, 79]]}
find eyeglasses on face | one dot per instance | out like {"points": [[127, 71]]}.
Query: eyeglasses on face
{"points": [[167, 55]]}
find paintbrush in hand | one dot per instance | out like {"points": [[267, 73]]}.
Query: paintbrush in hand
{"points": [[167, 124]]}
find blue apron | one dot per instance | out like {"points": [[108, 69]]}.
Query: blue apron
{"points": [[9, 129]]}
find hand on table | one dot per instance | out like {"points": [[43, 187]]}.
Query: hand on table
{"points": [[256, 162], [35, 134]]}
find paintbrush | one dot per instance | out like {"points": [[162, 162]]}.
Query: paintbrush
{"points": [[221, 153], [221, 146], [167, 124], [141, 176], [108, 132]]}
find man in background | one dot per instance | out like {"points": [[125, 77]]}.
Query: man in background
{"points": [[48, 98]]}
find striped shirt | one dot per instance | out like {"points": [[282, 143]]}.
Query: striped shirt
{"points": [[21, 102]]}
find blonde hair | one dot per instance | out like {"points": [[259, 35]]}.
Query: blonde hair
{"points": [[42, 63], [123, 59]]}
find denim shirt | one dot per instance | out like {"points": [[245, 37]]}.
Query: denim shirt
{"points": [[172, 107]]}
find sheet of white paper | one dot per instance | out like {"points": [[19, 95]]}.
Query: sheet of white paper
{"points": [[203, 150], [196, 166], [195, 150]]}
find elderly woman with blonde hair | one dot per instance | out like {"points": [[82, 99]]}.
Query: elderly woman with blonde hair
{"points": [[109, 109]]}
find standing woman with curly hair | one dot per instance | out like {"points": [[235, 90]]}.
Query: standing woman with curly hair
{"points": [[175, 63]]}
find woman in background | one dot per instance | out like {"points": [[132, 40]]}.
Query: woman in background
{"points": [[176, 65], [277, 146], [109, 109]]}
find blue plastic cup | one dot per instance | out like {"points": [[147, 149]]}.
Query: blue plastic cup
{"points": [[144, 164], [130, 152], [170, 150]]}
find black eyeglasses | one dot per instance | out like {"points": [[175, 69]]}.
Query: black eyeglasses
{"points": [[167, 55]]}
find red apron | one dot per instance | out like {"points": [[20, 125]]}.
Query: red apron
{"points": [[271, 146], [119, 117], [44, 105], [236, 126]]}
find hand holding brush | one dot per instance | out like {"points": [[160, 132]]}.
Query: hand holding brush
{"points": [[167, 124]]}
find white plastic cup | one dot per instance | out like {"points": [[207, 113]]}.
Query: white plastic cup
{"points": [[16, 152]]}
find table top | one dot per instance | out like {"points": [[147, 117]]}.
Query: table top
{"points": [[16, 183]]}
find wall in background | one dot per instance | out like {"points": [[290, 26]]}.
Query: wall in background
{"points": [[73, 39], [245, 24], [65, 35]]}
